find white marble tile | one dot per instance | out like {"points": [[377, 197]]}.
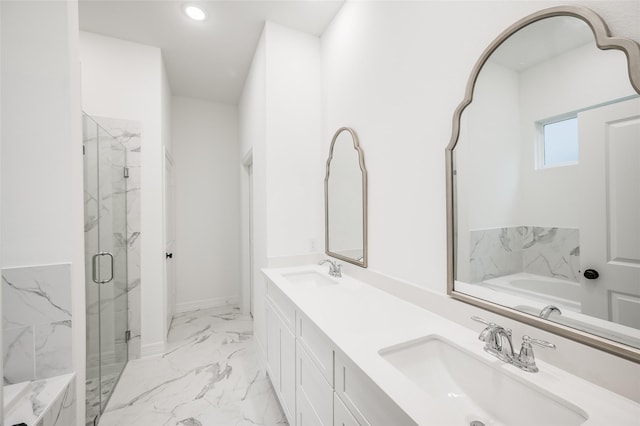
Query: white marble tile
{"points": [[53, 349], [494, 253], [49, 402], [36, 295], [551, 252], [128, 133], [208, 376], [62, 412], [19, 356]]}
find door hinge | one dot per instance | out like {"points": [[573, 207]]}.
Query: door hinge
{"points": [[126, 172], [84, 151], [127, 336]]}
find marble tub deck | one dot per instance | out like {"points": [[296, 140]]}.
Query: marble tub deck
{"points": [[208, 376]]}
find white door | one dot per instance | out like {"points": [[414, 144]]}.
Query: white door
{"points": [[610, 223], [170, 240]]}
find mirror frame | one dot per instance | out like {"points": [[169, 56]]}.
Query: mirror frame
{"points": [[363, 170], [604, 41]]}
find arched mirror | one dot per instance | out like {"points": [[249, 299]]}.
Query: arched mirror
{"points": [[543, 181], [345, 199]]}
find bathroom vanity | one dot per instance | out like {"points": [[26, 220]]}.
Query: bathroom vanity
{"points": [[341, 352]]}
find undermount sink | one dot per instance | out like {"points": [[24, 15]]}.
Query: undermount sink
{"points": [[468, 388], [310, 279]]}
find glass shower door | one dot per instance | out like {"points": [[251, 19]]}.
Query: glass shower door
{"points": [[105, 192]]}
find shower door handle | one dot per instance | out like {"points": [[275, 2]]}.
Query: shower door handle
{"points": [[94, 269]]}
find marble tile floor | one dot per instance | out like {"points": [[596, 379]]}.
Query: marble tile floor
{"points": [[92, 401], [208, 376]]}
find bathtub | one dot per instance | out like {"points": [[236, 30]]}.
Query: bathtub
{"points": [[546, 290], [609, 330]]}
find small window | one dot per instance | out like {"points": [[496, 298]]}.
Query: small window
{"points": [[560, 143]]}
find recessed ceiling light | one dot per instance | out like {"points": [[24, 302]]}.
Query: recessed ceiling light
{"points": [[194, 12]]}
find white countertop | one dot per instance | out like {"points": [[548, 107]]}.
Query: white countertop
{"points": [[361, 320]]}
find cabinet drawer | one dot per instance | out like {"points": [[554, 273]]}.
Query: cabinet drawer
{"points": [[341, 415], [311, 385], [364, 399], [283, 305], [318, 346]]}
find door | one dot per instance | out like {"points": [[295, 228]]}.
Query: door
{"points": [[170, 239], [610, 226], [105, 190]]}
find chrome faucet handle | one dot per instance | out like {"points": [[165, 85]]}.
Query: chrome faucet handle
{"points": [[526, 358], [538, 342], [482, 320]]}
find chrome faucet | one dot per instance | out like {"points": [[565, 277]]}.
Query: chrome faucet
{"points": [[334, 267], [498, 343], [548, 310]]}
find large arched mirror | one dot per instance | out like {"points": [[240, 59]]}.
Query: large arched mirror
{"points": [[543, 181], [345, 199]]}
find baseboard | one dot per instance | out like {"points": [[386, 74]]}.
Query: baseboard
{"points": [[207, 303], [152, 349]]}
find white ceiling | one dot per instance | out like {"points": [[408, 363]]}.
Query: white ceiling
{"points": [[208, 59]]}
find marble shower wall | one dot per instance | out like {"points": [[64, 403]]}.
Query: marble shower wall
{"points": [[127, 132], [550, 252], [36, 310]]}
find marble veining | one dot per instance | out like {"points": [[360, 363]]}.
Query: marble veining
{"points": [[209, 375], [128, 134], [551, 252], [48, 402], [37, 322], [36, 294]]}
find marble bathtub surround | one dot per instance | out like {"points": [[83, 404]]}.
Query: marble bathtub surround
{"points": [[550, 252], [48, 402], [209, 375], [37, 322]]}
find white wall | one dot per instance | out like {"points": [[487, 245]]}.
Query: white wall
{"points": [[293, 141], [252, 131], [280, 127], [389, 73], [396, 71], [597, 77], [1, 335], [486, 173], [207, 192], [126, 80], [42, 199]]}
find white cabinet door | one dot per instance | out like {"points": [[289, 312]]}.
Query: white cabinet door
{"points": [[305, 414], [318, 346], [288, 371], [341, 415], [312, 386], [273, 346], [281, 360]]}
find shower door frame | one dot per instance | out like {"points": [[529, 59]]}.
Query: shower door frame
{"points": [[93, 274]]}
